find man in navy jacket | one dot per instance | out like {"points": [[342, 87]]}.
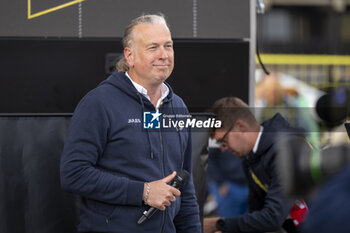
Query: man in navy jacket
{"points": [[117, 166], [244, 137]]}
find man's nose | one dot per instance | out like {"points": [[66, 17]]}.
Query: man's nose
{"points": [[164, 54]]}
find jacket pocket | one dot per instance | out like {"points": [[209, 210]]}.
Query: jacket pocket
{"points": [[174, 208], [124, 219], [100, 207]]}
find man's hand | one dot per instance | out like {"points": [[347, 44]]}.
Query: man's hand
{"points": [[160, 193], [209, 225]]}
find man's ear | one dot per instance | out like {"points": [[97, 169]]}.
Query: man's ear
{"points": [[241, 125], [129, 56]]}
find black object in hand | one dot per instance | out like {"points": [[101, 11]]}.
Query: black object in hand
{"points": [[179, 180]]}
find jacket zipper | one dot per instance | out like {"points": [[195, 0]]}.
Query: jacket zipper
{"points": [[163, 171], [162, 150], [163, 222]]}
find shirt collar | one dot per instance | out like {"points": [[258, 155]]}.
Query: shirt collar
{"points": [[164, 90], [258, 140]]}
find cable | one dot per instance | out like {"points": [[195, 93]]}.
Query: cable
{"points": [[258, 53]]}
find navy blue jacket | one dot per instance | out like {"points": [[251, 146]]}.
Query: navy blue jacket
{"points": [[267, 210], [108, 156], [330, 209]]}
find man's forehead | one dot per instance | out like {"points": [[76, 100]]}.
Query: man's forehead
{"points": [[155, 42], [146, 29]]}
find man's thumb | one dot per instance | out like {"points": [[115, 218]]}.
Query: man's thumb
{"points": [[169, 177]]}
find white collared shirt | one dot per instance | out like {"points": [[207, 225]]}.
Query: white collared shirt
{"points": [[258, 140], [164, 90]]}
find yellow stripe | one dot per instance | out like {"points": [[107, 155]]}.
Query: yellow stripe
{"points": [[29, 8], [258, 182], [328, 84], [30, 15], [303, 59]]}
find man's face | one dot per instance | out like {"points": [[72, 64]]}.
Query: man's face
{"points": [[233, 141], [151, 58]]}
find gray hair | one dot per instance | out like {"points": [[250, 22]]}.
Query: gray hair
{"points": [[122, 65]]}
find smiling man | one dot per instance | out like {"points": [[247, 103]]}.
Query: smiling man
{"points": [[150, 57], [244, 137], [118, 168]]}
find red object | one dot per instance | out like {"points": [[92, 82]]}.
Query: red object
{"points": [[299, 212]]}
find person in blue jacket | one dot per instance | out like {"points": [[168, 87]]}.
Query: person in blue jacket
{"points": [[330, 209], [255, 144], [117, 163]]}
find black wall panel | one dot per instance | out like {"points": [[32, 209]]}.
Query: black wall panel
{"points": [[31, 199], [51, 75]]}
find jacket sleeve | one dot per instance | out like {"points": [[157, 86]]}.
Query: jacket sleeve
{"points": [[187, 220], [85, 143], [270, 218]]}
